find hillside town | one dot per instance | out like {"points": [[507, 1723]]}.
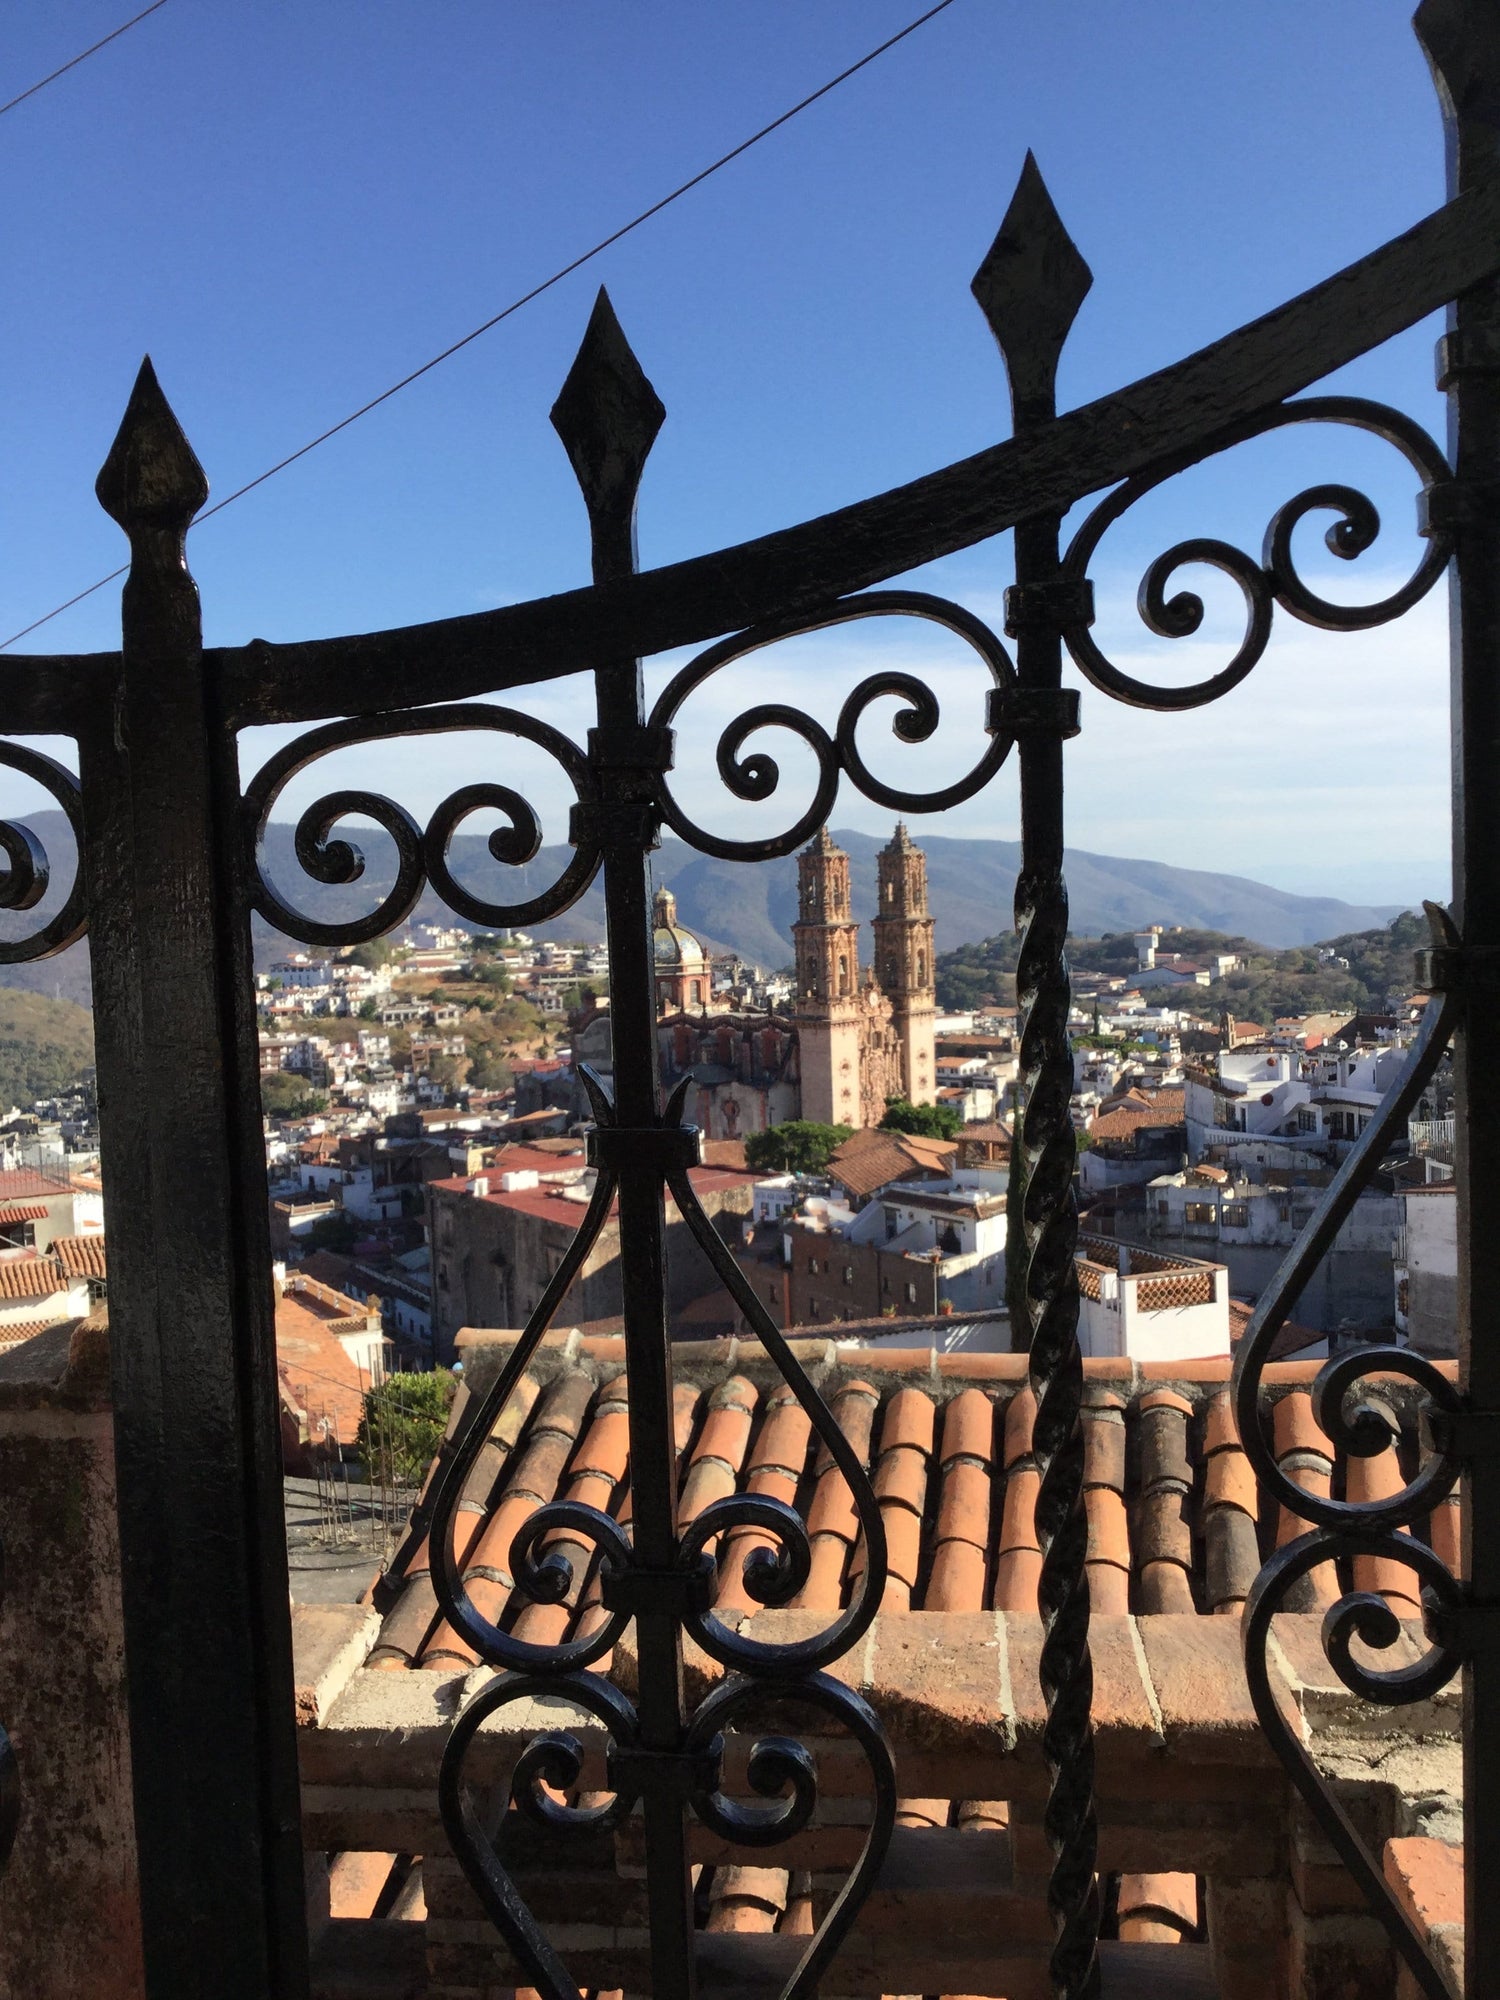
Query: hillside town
{"points": [[426, 1143]]}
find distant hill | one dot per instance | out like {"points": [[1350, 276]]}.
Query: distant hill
{"points": [[44, 1046], [1364, 969], [751, 909]]}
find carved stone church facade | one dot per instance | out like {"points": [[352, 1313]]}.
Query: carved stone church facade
{"points": [[853, 1038], [863, 1037]]}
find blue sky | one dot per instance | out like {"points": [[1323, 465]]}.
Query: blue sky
{"points": [[289, 206]]}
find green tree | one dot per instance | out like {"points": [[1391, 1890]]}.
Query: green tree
{"points": [[368, 1011], [284, 1094], [923, 1121], [490, 972], [373, 953], [338, 1232], [404, 1419], [798, 1147]]}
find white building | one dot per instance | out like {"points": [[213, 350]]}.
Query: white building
{"points": [[1425, 1260], [301, 971], [1318, 1100], [1133, 1303]]}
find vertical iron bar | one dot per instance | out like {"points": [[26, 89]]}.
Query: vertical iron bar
{"points": [[608, 416], [1030, 287], [1462, 42], [207, 1626]]}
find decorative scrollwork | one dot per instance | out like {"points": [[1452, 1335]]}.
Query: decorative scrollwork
{"points": [[549, 1579], [1365, 1428], [421, 853], [779, 1764], [1275, 579], [553, 1759], [773, 1578], [27, 871], [1359, 1422], [757, 776], [1368, 1618], [772, 1575]]}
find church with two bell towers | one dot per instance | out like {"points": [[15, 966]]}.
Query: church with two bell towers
{"points": [[853, 1037], [863, 1038]]}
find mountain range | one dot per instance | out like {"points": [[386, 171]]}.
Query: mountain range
{"points": [[750, 909]]}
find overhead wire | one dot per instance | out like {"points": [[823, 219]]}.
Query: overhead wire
{"points": [[566, 271], [83, 55]]}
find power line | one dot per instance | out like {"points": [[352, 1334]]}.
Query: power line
{"points": [[83, 56], [515, 306]]}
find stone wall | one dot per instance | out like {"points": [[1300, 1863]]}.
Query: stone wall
{"points": [[69, 1921]]}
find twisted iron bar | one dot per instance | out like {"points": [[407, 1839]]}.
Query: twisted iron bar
{"points": [[1050, 1225], [1274, 579], [756, 777]]}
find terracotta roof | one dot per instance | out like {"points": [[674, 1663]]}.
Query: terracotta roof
{"points": [[1136, 1112], [31, 1278], [1175, 1520], [873, 1158], [314, 1367], [1292, 1338], [17, 1182], [23, 1211], [80, 1256]]}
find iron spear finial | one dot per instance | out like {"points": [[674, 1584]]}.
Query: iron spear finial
{"points": [[151, 482], [1461, 40], [1029, 287], [607, 416]]}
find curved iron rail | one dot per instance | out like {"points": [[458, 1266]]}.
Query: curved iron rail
{"points": [[1030, 288], [805, 578]]}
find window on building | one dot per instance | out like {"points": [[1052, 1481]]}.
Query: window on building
{"points": [[911, 1294], [812, 1267], [885, 1284], [848, 1274], [1163, 1209], [1198, 1211], [1307, 1119], [812, 1308], [1301, 1217], [1284, 1212], [1236, 1215], [843, 973], [921, 968]]}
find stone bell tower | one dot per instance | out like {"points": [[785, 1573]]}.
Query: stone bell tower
{"points": [[827, 1008], [903, 961]]}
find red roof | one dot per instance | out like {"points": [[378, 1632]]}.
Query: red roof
{"points": [[310, 1359], [81, 1256], [21, 1181], [32, 1278], [1176, 1521]]}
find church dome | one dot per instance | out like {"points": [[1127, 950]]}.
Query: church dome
{"points": [[676, 950]]}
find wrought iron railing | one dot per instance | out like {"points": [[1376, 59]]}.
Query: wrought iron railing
{"points": [[170, 874]]}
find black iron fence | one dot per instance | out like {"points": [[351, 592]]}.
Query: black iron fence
{"points": [[169, 877]]}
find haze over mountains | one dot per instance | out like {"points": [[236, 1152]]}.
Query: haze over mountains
{"points": [[750, 909]]}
